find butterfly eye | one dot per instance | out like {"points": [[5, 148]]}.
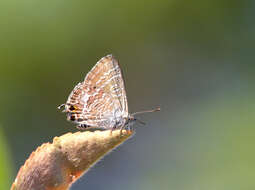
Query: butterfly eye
{"points": [[71, 108]]}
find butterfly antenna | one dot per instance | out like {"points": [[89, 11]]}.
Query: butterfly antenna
{"points": [[146, 111]]}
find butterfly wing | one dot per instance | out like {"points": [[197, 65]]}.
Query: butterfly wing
{"points": [[100, 100]]}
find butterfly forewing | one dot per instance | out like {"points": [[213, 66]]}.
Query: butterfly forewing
{"points": [[100, 100]]}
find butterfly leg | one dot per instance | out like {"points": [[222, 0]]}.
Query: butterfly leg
{"points": [[121, 129], [129, 128], [112, 129]]}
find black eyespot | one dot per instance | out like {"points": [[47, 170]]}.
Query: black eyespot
{"points": [[71, 108], [72, 117], [84, 126], [94, 87]]}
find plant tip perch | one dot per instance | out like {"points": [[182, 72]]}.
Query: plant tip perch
{"points": [[56, 165]]}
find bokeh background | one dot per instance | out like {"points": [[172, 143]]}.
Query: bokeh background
{"points": [[195, 59]]}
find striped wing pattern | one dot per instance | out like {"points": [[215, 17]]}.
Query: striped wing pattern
{"points": [[100, 100]]}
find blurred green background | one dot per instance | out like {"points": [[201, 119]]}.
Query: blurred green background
{"points": [[195, 59]]}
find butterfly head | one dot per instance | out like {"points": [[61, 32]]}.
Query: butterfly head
{"points": [[130, 118]]}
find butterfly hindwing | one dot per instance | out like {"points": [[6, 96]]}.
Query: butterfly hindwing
{"points": [[100, 100]]}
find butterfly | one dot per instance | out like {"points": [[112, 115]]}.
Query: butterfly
{"points": [[100, 101]]}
